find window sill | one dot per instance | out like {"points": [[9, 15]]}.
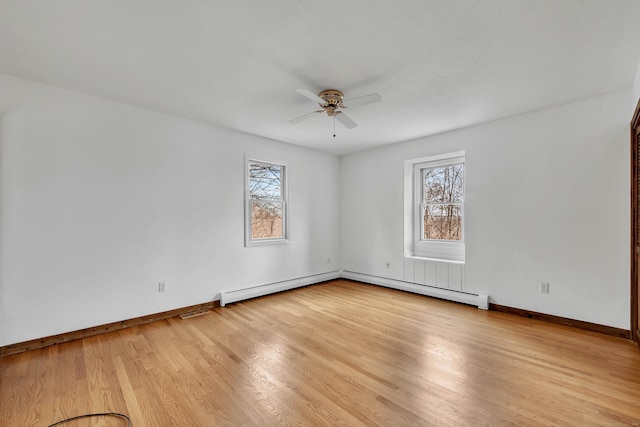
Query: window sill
{"points": [[267, 242], [424, 258]]}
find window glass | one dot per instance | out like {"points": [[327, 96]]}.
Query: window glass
{"points": [[442, 202], [266, 202]]}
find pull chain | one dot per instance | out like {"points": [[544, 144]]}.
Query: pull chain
{"points": [[334, 126]]}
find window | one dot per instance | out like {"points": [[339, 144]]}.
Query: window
{"points": [[434, 188], [266, 206], [442, 202]]}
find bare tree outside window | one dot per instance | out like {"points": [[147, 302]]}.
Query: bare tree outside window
{"points": [[442, 208], [266, 190]]}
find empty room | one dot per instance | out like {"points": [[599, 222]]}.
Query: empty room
{"points": [[356, 213]]}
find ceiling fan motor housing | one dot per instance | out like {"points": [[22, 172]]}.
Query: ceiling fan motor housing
{"points": [[332, 96], [333, 99]]}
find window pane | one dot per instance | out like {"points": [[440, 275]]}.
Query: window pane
{"points": [[266, 219], [265, 181], [443, 185], [443, 222]]}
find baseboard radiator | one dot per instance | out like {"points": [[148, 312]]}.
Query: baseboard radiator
{"points": [[479, 300], [457, 295], [228, 297]]}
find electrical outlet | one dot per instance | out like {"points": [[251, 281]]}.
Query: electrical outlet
{"points": [[544, 287], [162, 287], [328, 260], [388, 264]]}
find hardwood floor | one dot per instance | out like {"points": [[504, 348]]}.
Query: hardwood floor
{"points": [[339, 353]]}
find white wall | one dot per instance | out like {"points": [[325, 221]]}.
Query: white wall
{"points": [[547, 200], [1, 240], [635, 91], [104, 200]]}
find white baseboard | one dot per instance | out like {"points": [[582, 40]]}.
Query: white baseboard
{"points": [[227, 297], [481, 301]]}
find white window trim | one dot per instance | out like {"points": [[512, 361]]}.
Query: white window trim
{"points": [[415, 245], [248, 239]]}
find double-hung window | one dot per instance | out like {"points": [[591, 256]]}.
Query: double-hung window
{"points": [[266, 203], [442, 202], [438, 207]]}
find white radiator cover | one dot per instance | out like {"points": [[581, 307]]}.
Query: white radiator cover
{"points": [[435, 272]]}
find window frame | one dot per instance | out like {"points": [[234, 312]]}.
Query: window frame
{"points": [[446, 250], [249, 240]]}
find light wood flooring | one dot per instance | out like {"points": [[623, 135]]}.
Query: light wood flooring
{"points": [[338, 353]]}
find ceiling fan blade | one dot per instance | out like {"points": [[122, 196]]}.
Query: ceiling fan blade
{"points": [[312, 96], [301, 118], [366, 99], [345, 120]]}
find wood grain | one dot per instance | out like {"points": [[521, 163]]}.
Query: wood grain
{"points": [[338, 353], [109, 327], [603, 329]]}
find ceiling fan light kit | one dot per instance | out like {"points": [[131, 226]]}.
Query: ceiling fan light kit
{"points": [[331, 101]]}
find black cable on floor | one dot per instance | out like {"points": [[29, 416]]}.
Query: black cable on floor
{"points": [[105, 414]]}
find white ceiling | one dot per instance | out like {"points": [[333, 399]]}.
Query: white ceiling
{"points": [[439, 64]]}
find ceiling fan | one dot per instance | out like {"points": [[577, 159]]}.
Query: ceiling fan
{"points": [[331, 101]]}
